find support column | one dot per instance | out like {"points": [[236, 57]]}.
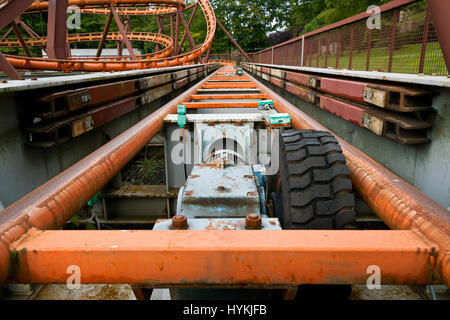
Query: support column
{"points": [[8, 68], [234, 41], [188, 27], [57, 29], [123, 33], [20, 38], [105, 33], [439, 13]]}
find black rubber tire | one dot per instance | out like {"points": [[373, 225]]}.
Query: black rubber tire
{"points": [[316, 190]]}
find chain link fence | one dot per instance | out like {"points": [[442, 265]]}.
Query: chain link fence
{"points": [[406, 42]]}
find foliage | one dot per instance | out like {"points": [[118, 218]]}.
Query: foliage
{"points": [[148, 167], [254, 24]]}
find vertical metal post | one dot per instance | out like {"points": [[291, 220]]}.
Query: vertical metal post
{"points": [[319, 49], [326, 49], [105, 33], [439, 13], [303, 50], [160, 28], [369, 45], [188, 26], [186, 30], [177, 31], [423, 51], [123, 33], [171, 26], [57, 29], [272, 55], [338, 48], [351, 47], [310, 50], [393, 34], [208, 53]]}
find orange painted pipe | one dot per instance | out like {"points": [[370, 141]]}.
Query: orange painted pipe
{"points": [[399, 204], [224, 257], [43, 5], [124, 64], [53, 203]]}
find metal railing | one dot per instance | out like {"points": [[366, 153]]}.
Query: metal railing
{"points": [[405, 43]]}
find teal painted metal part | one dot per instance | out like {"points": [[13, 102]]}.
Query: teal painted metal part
{"points": [[93, 200], [181, 109], [239, 72], [280, 118], [182, 120], [263, 103]]}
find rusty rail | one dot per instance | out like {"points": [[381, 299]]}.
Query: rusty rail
{"points": [[418, 255], [400, 205], [50, 205]]}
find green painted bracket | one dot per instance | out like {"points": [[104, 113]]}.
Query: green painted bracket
{"points": [[280, 118]]}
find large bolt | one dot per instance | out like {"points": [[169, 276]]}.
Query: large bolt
{"points": [[179, 222], [253, 221]]}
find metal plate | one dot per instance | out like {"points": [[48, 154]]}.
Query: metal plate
{"points": [[215, 192], [219, 224]]}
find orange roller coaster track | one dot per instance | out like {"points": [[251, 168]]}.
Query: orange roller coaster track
{"points": [[117, 63]]}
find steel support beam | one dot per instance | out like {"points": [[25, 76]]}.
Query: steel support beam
{"points": [[21, 40], [8, 69], [105, 33], [49, 206], [400, 205], [439, 13], [177, 33], [232, 40], [57, 29], [187, 31], [232, 257], [12, 10], [123, 32]]}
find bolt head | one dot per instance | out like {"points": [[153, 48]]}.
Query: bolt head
{"points": [[179, 222], [253, 221]]}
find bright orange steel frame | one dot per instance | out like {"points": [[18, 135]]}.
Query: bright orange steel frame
{"points": [[417, 254]]}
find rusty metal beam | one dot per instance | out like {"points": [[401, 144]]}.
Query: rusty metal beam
{"points": [[7, 33], [105, 34], [57, 29], [177, 34], [400, 205], [21, 40], [231, 257], [123, 32], [8, 69], [186, 31], [232, 40], [53, 203], [439, 13], [12, 10]]}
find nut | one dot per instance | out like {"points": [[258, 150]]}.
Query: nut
{"points": [[179, 222], [253, 221]]}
